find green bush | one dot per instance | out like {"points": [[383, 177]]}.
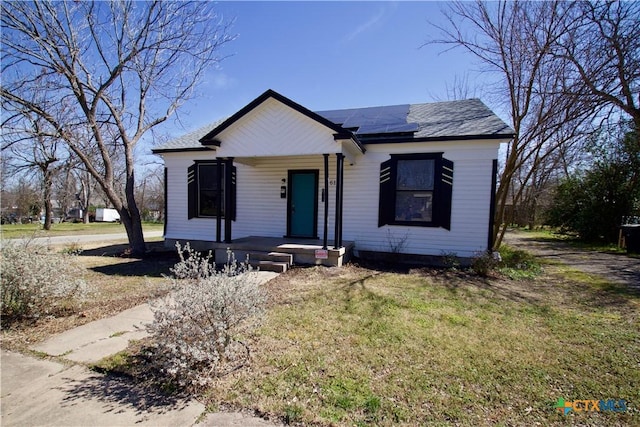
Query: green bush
{"points": [[35, 283], [593, 202], [514, 263], [517, 264]]}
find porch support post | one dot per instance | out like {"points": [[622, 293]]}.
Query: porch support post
{"points": [[325, 199], [219, 164], [341, 180], [227, 199], [338, 218]]}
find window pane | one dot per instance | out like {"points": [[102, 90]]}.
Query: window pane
{"points": [[207, 177], [207, 190], [414, 206], [415, 175]]}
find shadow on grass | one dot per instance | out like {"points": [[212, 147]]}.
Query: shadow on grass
{"points": [[567, 241], [155, 263], [138, 268]]}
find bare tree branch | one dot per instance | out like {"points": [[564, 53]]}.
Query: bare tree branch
{"points": [[117, 69]]}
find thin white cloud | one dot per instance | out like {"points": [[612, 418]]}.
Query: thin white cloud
{"points": [[367, 25], [221, 80]]}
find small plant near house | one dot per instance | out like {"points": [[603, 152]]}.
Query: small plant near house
{"points": [[484, 263], [397, 243], [518, 264], [510, 262], [72, 248], [35, 283], [197, 329], [450, 260]]}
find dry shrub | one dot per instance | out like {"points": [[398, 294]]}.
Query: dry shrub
{"points": [[197, 328], [36, 283]]}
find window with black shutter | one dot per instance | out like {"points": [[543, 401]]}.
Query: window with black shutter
{"points": [[203, 192], [416, 190]]}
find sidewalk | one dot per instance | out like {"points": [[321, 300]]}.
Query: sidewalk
{"points": [[36, 392]]}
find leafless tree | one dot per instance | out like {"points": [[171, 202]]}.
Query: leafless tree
{"points": [[117, 69], [601, 48], [150, 194], [514, 39], [32, 151]]}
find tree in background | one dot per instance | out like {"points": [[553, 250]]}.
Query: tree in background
{"points": [[28, 202], [564, 67], [514, 40], [150, 194], [112, 72], [34, 153], [594, 202], [601, 50]]}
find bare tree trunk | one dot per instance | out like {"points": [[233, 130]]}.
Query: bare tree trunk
{"points": [[133, 227], [131, 218], [48, 209]]}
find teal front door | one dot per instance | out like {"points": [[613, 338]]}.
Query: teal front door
{"points": [[302, 204]]}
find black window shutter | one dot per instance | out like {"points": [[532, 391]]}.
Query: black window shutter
{"points": [[445, 193], [232, 190], [192, 191], [386, 207], [166, 201]]}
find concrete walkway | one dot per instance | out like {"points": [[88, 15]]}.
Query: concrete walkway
{"points": [[36, 392]]}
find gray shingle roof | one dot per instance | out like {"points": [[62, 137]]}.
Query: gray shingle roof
{"points": [[465, 119], [188, 142], [469, 117]]}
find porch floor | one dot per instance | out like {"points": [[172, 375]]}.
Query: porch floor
{"points": [[302, 250]]}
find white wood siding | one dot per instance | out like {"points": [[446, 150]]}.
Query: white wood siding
{"points": [[470, 203], [274, 129], [179, 226], [261, 211]]}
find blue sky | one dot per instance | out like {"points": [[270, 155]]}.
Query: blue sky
{"points": [[329, 55]]}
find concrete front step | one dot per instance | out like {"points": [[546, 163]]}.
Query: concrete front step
{"points": [[271, 261], [265, 265], [271, 256]]}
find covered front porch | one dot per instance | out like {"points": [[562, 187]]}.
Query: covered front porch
{"points": [[278, 254]]}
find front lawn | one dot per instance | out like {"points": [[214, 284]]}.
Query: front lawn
{"points": [[364, 346], [356, 346]]}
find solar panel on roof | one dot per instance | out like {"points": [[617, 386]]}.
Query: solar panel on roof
{"points": [[373, 120]]}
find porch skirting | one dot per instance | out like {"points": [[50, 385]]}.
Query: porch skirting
{"points": [[304, 252]]}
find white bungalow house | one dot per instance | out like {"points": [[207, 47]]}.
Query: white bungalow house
{"points": [[285, 183]]}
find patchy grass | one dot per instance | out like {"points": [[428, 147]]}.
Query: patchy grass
{"points": [[10, 231], [362, 347]]}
